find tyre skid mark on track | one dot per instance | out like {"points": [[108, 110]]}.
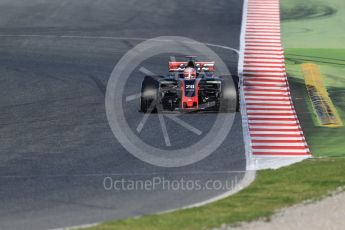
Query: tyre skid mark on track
{"points": [[100, 38]]}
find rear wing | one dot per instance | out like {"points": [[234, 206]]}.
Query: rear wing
{"points": [[201, 66]]}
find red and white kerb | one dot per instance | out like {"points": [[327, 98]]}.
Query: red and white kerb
{"points": [[274, 128]]}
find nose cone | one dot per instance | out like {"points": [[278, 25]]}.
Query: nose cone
{"points": [[190, 103]]}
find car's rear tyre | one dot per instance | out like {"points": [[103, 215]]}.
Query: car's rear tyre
{"points": [[229, 100], [149, 95]]}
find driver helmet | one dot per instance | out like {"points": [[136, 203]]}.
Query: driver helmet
{"points": [[189, 73]]}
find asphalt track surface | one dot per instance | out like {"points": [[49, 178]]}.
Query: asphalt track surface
{"points": [[56, 146]]}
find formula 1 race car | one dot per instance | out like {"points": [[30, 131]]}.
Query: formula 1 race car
{"points": [[190, 86]]}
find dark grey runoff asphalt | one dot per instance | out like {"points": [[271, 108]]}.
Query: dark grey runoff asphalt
{"points": [[56, 146]]}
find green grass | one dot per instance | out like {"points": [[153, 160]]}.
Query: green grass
{"points": [[272, 189], [313, 23], [318, 27]]}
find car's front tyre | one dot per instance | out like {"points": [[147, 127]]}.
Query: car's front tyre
{"points": [[229, 101], [149, 95]]}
